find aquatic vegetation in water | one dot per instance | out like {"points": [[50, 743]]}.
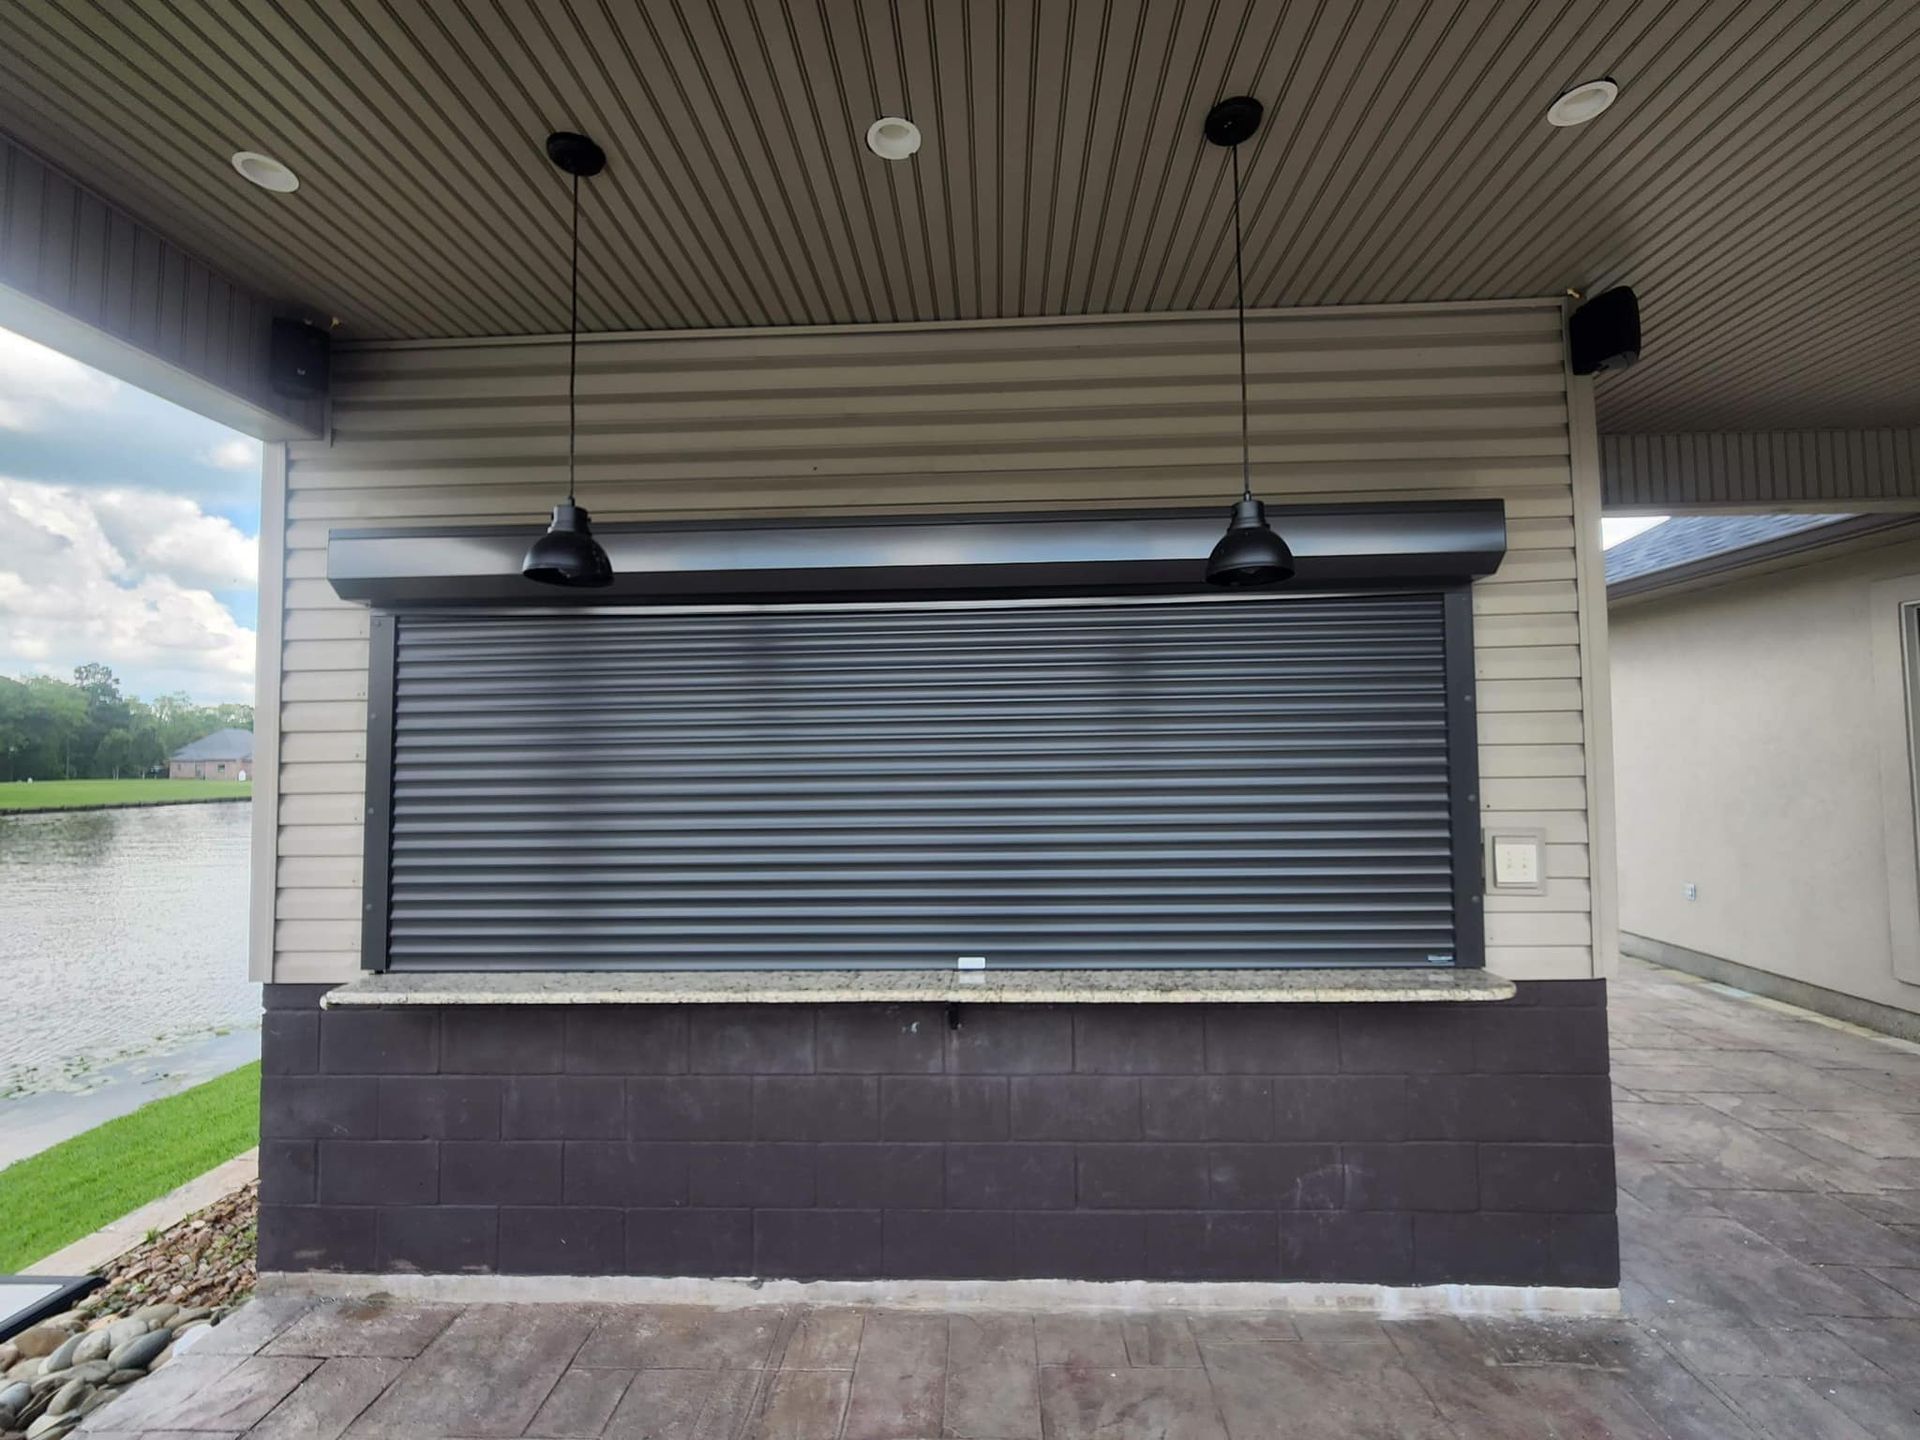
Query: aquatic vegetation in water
{"points": [[125, 936]]}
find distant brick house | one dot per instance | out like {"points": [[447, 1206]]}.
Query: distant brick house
{"points": [[223, 755]]}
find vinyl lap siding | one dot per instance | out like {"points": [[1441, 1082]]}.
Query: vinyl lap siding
{"points": [[1454, 402]]}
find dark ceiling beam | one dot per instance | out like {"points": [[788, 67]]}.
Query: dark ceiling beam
{"points": [[1844, 470], [86, 278]]}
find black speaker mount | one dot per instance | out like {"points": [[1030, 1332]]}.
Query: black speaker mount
{"points": [[575, 154], [1233, 120]]}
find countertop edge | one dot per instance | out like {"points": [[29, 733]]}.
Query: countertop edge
{"points": [[881, 987]]}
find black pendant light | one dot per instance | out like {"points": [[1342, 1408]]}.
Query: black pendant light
{"points": [[568, 554], [1249, 554]]}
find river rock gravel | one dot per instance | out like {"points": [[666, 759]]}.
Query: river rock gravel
{"points": [[192, 1274]]}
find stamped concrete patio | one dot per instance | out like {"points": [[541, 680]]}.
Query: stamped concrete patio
{"points": [[1769, 1171]]}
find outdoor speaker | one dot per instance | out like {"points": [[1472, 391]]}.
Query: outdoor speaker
{"points": [[297, 365], [1604, 333]]}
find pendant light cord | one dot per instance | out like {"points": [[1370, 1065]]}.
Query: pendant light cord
{"points": [[1240, 307], [573, 335]]}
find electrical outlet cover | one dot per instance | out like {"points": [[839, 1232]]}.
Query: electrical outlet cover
{"points": [[1516, 862]]}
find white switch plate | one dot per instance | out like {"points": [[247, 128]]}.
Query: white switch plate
{"points": [[1517, 862]]}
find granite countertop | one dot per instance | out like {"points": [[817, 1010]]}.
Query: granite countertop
{"points": [[1024, 987]]}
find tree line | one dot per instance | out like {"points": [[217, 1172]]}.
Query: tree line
{"points": [[85, 729]]}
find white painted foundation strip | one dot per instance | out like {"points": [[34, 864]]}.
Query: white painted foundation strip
{"points": [[1386, 1301]]}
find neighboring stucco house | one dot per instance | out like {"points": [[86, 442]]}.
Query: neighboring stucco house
{"points": [[1764, 703], [224, 755]]}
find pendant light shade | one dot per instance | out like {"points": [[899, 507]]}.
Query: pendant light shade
{"points": [[568, 554], [1249, 555]]}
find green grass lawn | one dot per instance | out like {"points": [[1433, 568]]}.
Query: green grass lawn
{"points": [[93, 794], [51, 1199]]}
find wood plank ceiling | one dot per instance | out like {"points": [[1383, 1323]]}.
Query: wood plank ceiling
{"points": [[1757, 181]]}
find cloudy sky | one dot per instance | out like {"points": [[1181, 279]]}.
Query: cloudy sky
{"points": [[128, 532]]}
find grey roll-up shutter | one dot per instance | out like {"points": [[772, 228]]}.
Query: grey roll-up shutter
{"points": [[1246, 782]]}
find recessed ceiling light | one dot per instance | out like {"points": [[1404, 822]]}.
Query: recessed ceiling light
{"points": [[266, 172], [892, 138], [1582, 103]]}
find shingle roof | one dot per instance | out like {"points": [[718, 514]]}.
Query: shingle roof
{"points": [[221, 745], [1686, 539]]}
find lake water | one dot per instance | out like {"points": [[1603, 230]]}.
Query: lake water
{"points": [[122, 933]]}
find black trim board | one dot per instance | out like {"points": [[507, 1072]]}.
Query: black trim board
{"points": [[1463, 782], [1083, 553], [377, 836]]}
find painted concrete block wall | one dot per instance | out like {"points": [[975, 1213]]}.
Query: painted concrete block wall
{"points": [[1369, 1143], [1427, 402], [1749, 731]]}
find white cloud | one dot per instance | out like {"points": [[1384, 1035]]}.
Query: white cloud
{"points": [[125, 577], [171, 536], [37, 383], [239, 453]]}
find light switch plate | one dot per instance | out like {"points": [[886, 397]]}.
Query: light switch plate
{"points": [[1516, 862]]}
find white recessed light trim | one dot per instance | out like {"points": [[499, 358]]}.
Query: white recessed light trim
{"points": [[893, 138], [266, 172], [1582, 103]]}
